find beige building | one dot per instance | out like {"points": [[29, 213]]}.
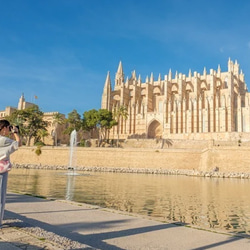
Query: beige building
{"points": [[8, 110], [22, 104], [210, 105], [55, 136], [55, 130]]}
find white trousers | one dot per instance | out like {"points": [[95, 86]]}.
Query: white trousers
{"points": [[3, 191]]}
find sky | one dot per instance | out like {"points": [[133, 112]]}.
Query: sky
{"points": [[61, 50]]}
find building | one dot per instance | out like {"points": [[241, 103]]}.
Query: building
{"points": [[56, 136], [211, 105], [22, 104], [55, 130]]}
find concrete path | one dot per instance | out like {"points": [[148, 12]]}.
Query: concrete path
{"points": [[98, 228]]}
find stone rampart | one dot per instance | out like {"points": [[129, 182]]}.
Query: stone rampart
{"points": [[227, 159]]}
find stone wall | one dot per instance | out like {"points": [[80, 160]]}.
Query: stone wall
{"points": [[227, 159]]}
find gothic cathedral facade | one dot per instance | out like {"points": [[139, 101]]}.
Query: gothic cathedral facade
{"points": [[197, 106]]}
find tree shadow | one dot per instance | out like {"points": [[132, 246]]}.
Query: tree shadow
{"points": [[218, 244], [93, 240], [12, 198], [167, 142]]}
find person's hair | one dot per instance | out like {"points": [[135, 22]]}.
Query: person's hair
{"points": [[3, 124]]}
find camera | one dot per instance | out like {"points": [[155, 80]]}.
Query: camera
{"points": [[13, 129]]}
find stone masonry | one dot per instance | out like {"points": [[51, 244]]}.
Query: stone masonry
{"points": [[199, 106]]}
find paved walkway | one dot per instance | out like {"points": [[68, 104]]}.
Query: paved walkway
{"points": [[34, 223]]}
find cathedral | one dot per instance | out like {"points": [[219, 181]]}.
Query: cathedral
{"points": [[210, 105]]}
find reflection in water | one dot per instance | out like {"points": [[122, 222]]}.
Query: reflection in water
{"points": [[218, 204], [70, 187]]}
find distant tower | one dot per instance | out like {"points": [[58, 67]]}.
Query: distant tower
{"points": [[106, 93], [21, 102]]}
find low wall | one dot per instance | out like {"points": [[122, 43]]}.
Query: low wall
{"points": [[111, 157], [231, 159], [227, 159]]}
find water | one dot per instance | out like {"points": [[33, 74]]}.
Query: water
{"points": [[72, 152], [215, 204]]}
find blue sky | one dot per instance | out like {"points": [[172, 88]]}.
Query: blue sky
{"points": [[61, 50]]}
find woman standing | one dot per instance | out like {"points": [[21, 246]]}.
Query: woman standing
{"points": [[7, 147]]}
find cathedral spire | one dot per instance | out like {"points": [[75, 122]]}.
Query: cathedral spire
{"points": [[152, 78], [139, 80], [219, 69], [106, 94], [169, 75], [133, 75], [120, 69], [119, 77], [133, 78], [230, 65], [205, 71], [189, 73], [126, 83], [159, 78], [108, 81], [236, 68]]}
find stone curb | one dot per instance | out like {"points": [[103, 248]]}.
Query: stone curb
{"points": [[191, 173]]}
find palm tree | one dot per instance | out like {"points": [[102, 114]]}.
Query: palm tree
{"points": [[42, 133], [120, 112], [58, 119]]}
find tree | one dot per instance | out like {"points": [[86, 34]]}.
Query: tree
{"points": [[41, 134], [73, 122], [100, 121], [120, 113], [90, 120], [105, 123], [58, 119], [30, 121]]}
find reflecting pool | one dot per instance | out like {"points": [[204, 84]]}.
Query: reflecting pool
{"points": [[210, 203]]}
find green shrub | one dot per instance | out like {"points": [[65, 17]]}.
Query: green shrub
{"points": [[38, 151], [82, 143]]}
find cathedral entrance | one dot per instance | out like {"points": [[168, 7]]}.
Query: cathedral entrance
{"points": [[155, 130]]}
